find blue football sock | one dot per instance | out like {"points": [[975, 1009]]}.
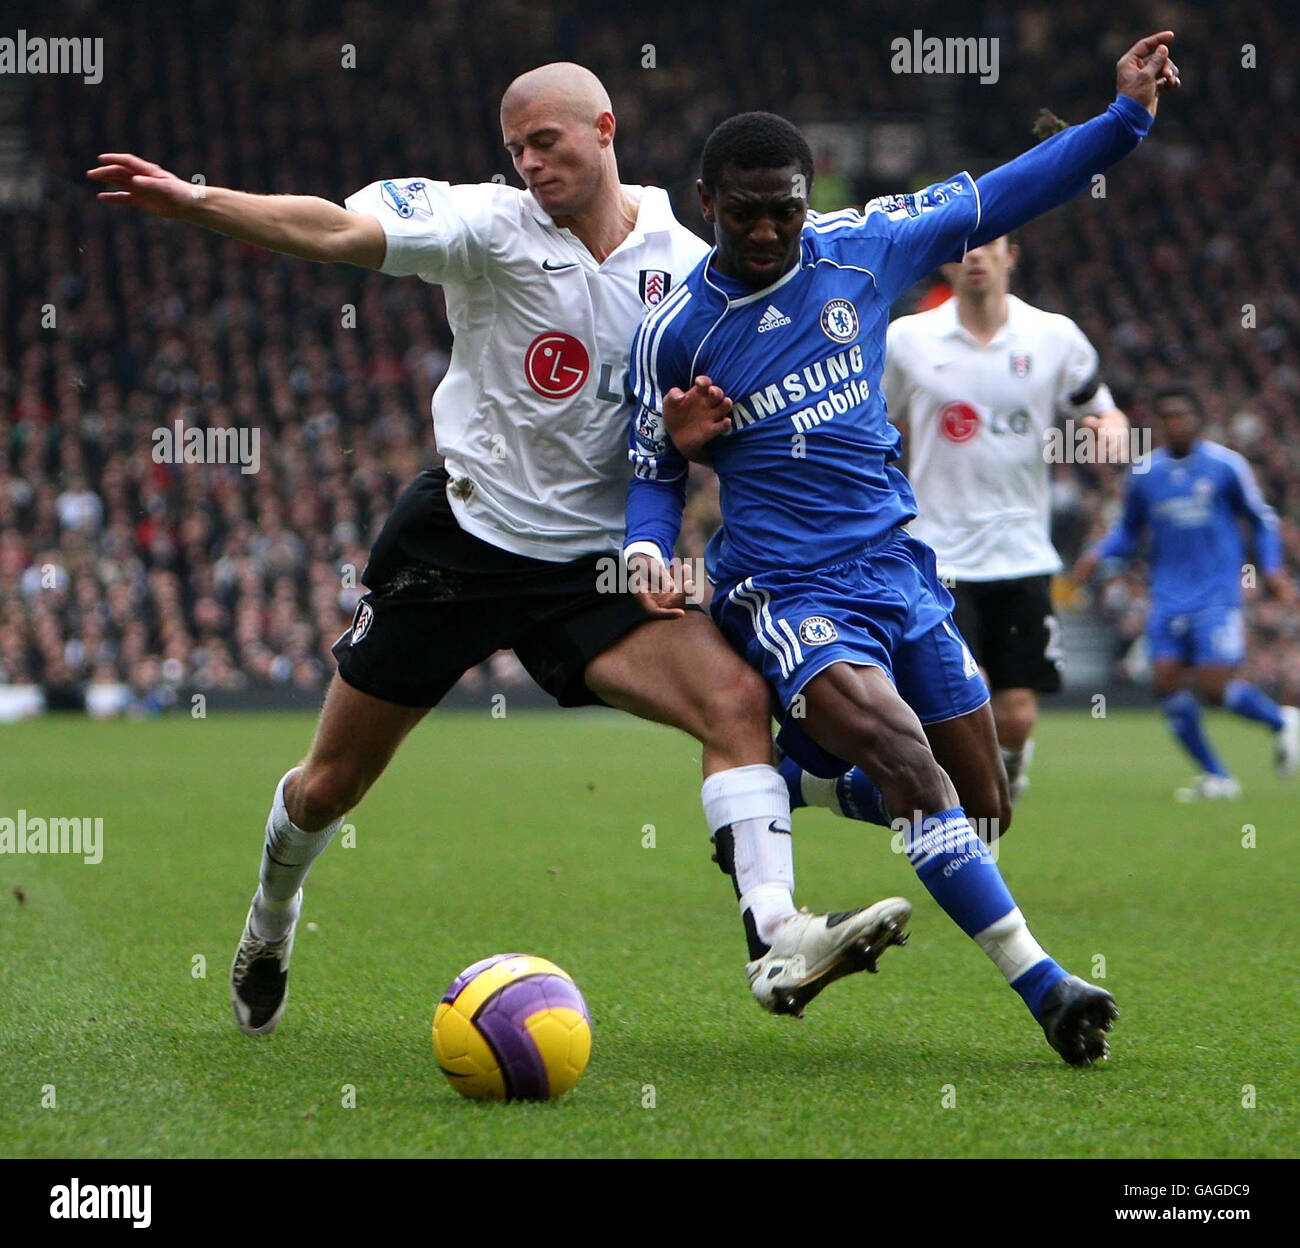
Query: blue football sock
{"points": [[1034, 983], [960, 874], [1243, 698], [853, 795], [1184, 715], [858, 798]]}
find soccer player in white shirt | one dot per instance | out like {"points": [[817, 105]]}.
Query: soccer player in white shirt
{"points": [[504, 547], [976, 384]]}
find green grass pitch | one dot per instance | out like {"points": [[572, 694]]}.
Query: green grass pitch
{"points": [[526, 833]]}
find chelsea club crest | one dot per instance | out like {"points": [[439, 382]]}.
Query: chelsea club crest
{"points": [[817, 630], [840, 321]]}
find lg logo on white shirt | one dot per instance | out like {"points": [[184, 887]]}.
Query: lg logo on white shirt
{"points": [[960, 422], [557, 366]]}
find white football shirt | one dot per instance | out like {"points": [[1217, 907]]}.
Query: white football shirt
{"points": [[976, 418], [532, 416]]}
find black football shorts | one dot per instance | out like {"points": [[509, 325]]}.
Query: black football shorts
{"points": [[1012, 631], [441, 601]]}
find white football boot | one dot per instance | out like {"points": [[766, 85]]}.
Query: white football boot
{"points": [[259, 978], [1288, 741], [1208, 788], [813, 950]]}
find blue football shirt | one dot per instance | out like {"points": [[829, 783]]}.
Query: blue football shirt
{"points": [[807, 472], [1191, 509]]}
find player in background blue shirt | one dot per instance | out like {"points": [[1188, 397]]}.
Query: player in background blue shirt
{"points": [[1193, 504], [819, 586]]}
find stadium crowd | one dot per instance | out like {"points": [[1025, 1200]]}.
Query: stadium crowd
{"points": [[119, 570]]}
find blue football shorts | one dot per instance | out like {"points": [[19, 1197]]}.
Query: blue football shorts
{"points": [[883, 607], [1210, 636]]}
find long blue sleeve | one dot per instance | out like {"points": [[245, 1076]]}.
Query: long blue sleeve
{"points": [[1057, 169], [1249, 502], [1122, 541], [1268, 543], [654, 512], [657, 492]]}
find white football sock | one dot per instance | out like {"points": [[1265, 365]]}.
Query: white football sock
{"points": [[753, 801], [819, 791], [287, 855], [1017, 761], [1011, 760], [1010, 946]]}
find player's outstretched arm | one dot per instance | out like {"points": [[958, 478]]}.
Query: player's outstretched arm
{"points": [[656, 497], [1265, 531], [1060, 167], [656, 494], [296, 225], [1122, 541]]}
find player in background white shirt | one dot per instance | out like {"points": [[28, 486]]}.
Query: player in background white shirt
{"points": [[976, 384], [503, 547]]}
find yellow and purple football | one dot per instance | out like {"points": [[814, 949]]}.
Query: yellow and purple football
{"points": [[512, 1028]]}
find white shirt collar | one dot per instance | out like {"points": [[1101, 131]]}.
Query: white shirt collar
{"points": [[654, 212], [955, 329]]}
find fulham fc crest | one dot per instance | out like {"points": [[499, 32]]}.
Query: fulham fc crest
{"points": [[1020, 364], [654, 286], [361, 625]]}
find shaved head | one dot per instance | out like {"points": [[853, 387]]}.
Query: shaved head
{"points": [[571, 89], [558, 127]]}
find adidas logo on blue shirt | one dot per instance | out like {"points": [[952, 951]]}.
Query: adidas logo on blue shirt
{"points": [[773, 318]]}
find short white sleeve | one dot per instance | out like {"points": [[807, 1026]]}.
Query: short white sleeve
{"points": [[894, 379], [434, 230], [1082, 392]]}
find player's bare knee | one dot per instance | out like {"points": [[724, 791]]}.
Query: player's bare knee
{"points": [[325, 792], [1166, 680], [1211, 687], [736, 707], [1016, 726]]}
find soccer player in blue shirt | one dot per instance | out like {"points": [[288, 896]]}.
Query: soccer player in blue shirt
{"points": [[778, 336], [1192, 502]]}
